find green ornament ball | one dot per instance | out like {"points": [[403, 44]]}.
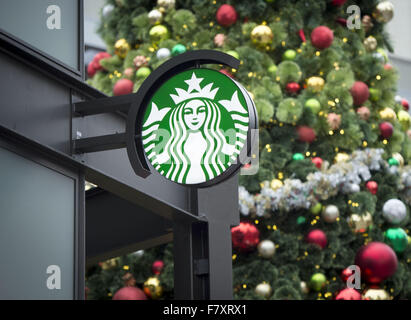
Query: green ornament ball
{"points": [[397, 239], [317, 281], [272, 69], [393, 162], [314, 105], [233, 53], [375, 94], [143, 73], [178, 49], [289, 55], [158, 33], [298, 156], [383, 53], [301, 220], [316, 209]]}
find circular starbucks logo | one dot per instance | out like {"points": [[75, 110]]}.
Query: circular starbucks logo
{"points": [[195, 126]]}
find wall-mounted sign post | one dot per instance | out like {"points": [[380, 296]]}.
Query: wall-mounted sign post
{"points": [[193, 126]]}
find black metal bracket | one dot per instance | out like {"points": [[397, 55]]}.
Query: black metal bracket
{"points": [[100, 143]]}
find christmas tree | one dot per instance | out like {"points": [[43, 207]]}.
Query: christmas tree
{"points": [[333, 185]]}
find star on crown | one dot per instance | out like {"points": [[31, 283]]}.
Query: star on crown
{"points": [[194, 90]]}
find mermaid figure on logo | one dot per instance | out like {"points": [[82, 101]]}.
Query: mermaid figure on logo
{"points": [[197, 147]]}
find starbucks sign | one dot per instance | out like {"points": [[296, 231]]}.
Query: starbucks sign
{"points": [[194, 128]]}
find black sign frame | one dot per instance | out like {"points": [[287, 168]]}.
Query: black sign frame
{"points": [[186, 61]]}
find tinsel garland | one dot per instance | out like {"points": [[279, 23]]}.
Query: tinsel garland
{"points": [[343, 176]]}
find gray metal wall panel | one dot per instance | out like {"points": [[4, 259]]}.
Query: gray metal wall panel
{"points": [[34, 105]]}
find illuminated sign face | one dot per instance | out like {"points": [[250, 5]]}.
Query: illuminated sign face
{"points": [[195, 126]]}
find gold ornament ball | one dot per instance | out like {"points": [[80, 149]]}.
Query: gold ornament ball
{"points": [[263, 290], [166, 4], [262, 35], [341, 157], [384, 12], [275, 184], [121, 48], [397, 156], [109, 264], [360, 223], [388, 114], [158, 33], [376, 294], [316, 84], [152, 288], [370, 43]]}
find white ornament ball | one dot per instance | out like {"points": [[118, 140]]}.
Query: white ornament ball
{"points": [[264, 290], [394, 211], [155, 16], [398, 99], [107, 10], [166, 4], [266, 248], [138, 253], [330, 213], [304, 287], [163, 53]]}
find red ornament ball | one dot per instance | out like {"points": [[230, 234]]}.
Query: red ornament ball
{"points": [[317, 237], [123, 86], [245, 236], [405, 104], [130, 293], [348, 294], [98, 57], [306, 134], [386, 129], [292, 87], [345, 274], [360, 93], [387, 67], [226, 15], [338, 3], [372, 187], [91, 69], [322, 37], [157, 267], [377, 262], [318, 162]]}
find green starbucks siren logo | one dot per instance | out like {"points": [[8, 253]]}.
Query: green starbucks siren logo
{"points": [[195, 126]]}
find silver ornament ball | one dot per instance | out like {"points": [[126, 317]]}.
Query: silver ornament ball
{"points": [[163, 53], [330, 213], [398, 99], [266, 248], [107, 10], [394, 211], [263, 290], [155, 16]]}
